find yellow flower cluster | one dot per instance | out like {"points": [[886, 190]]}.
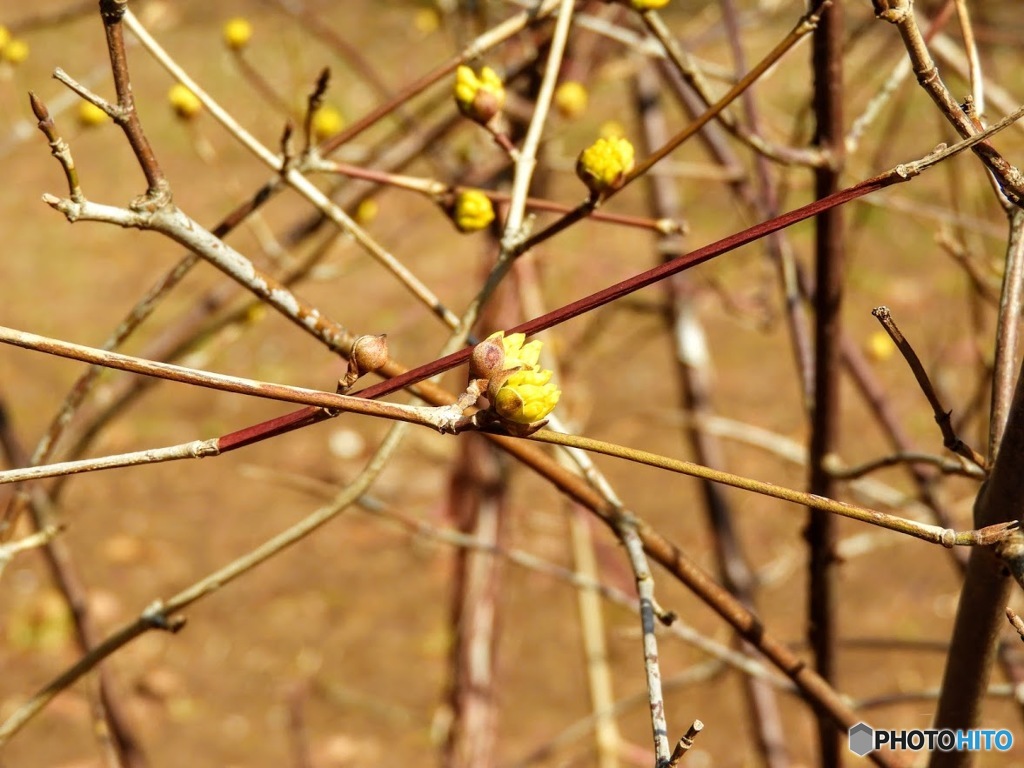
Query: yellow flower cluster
{"points": [[472, 211], [604, 165], [479, 97], [520, 390]]}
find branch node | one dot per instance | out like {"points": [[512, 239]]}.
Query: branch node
{"points": [[155, 616]]}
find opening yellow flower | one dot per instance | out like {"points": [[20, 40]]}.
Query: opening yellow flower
{"points": [[472, 211], [604, 165], [481, 97], [518, 354], [519, 389], [237, 33]]}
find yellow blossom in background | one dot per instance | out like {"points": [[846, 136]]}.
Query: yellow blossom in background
{"points": [[90, 115], [185, 103], [648, 5], [611, 129], [327, 121], [426, 20], [237, 33], [472, 211], [5, 36], [604, 164], [366, 212], [879, 346], [571, 99], [479, 97], [14, 50]]}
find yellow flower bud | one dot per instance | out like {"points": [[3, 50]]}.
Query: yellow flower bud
{"points": [[648, 5], [481, 97], [527, 396], [603, 165], [185, 103], [571, 99], [327, 121], [237, 33], [89, 115], [14, 51], [5, 36], [473, 210]]}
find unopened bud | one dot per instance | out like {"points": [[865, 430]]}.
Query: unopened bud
{"points": [[370, 352], [488, 359]]}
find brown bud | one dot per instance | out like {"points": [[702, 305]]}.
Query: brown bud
{"points": [[370, 353], [488, 359]]}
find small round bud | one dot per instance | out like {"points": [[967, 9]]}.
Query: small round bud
{"points": [[237, 33], [185, 103], [488, 359], [571, 99], [480, 98], [327, 121], [370, 353]]}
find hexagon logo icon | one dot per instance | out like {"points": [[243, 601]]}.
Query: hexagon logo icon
{"points": [[862, 739]]}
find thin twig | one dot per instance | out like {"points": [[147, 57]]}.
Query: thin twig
{"points": [[164, 614], [158, 193], [949, 467], [803, 27], [932, 533], [901, 13], [685, 742], [1005, 365], [942, 416]]}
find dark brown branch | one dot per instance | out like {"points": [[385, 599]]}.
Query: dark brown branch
{"points": [[942, 416], [830, 259]]}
